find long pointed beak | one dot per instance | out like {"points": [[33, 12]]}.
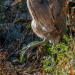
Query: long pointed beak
{"points": [[15, 2]]}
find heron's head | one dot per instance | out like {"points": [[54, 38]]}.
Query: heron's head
{"points": [[15, 2]]}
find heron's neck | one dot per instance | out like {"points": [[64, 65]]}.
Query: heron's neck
{"points": [[30, 8]]}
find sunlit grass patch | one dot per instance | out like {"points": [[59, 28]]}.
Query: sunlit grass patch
{"points": [[61, 58]]}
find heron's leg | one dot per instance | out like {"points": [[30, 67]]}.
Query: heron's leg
{"points": [[53, 54], [44, 39], [51, 43]]}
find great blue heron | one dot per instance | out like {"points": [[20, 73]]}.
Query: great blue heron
{"points": [[48, 18]]}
